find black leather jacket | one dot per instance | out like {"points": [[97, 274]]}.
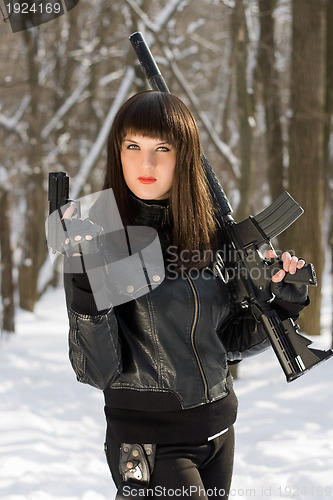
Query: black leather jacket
{"points": [[162, 359], [175, 340]]}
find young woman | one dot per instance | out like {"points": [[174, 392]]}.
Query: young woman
{"points": [[162, 359]]}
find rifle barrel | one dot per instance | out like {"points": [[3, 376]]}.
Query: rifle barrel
{"points": [[148, 64]]}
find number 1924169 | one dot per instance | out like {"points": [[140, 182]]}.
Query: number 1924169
{"points": [[314, 492], [35, 8]]}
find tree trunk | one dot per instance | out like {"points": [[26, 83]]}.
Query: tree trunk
{"points": [[7, 322], [244, 109], [329, 113], [267, 75], [306, 169], [33, 244], [244, 105]]}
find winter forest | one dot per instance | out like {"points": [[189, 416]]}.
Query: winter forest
{"points": [[256, 74]]}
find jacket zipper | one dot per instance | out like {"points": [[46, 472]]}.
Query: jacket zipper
{"points": [[194, 324]]}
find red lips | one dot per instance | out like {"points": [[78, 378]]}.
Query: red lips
{"points": [[147, 180]]}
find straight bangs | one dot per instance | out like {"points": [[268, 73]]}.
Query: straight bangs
{"points": [[152, 114]]}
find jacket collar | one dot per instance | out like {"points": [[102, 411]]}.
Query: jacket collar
{"points": [[152, 213]]}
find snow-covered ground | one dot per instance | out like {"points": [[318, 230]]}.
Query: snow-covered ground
{"points": [[52, 428]]}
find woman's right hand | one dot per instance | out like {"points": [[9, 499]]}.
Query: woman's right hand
{"points": [[83, 237]]}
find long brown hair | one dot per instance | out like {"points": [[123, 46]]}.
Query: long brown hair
{"points": [[162, 115]]}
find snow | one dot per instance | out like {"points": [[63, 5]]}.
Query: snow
{"points": [[284, 440], [52, 428]]}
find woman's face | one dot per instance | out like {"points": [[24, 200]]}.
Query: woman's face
{"points": [[148, 166]]}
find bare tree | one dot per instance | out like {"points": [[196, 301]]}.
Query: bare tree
{"points": [[306, 140], [267, 75], [239, 34], [7, 322], [328, 138]]}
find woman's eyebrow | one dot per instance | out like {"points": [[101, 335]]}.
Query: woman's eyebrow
{"points": [[128, 139]]}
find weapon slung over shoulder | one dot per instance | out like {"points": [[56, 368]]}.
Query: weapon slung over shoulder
{"points": [[242, 264]]}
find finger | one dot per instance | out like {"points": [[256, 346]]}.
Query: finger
{"points": [[300, 264], [68, 214], [270, 254], [286, 258], [278, 276], [293, 265]]}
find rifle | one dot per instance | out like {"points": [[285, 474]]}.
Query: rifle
{"points": [[241, 264]]}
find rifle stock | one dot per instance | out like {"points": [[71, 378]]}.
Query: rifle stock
{"points": [[291, 348], [243, 258]]}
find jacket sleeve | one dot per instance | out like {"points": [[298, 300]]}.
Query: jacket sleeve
{"points": [[94, 347], [244, 336]]}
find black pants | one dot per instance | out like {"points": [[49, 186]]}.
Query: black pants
{"points": [[195, 471]]}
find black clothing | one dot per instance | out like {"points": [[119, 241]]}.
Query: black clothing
{"points": [[162, 359], [183, 470], [167, 425]]}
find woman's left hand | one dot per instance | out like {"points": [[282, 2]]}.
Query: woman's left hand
{"points": [[288, 291], [290, 265]]}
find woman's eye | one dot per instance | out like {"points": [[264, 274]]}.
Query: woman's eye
{"points": [[136, 147]]}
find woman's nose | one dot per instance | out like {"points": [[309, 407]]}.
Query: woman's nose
{"points": [[148, 161]]}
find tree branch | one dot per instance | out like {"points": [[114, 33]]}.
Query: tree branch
{"points": [[68, 104], [86, 167], [11, 123], [221, 146]]}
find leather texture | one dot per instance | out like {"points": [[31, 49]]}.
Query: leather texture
{"points": [[176, 340]]}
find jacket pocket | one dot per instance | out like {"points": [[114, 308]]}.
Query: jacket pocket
{"points": [[94, 349]]}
